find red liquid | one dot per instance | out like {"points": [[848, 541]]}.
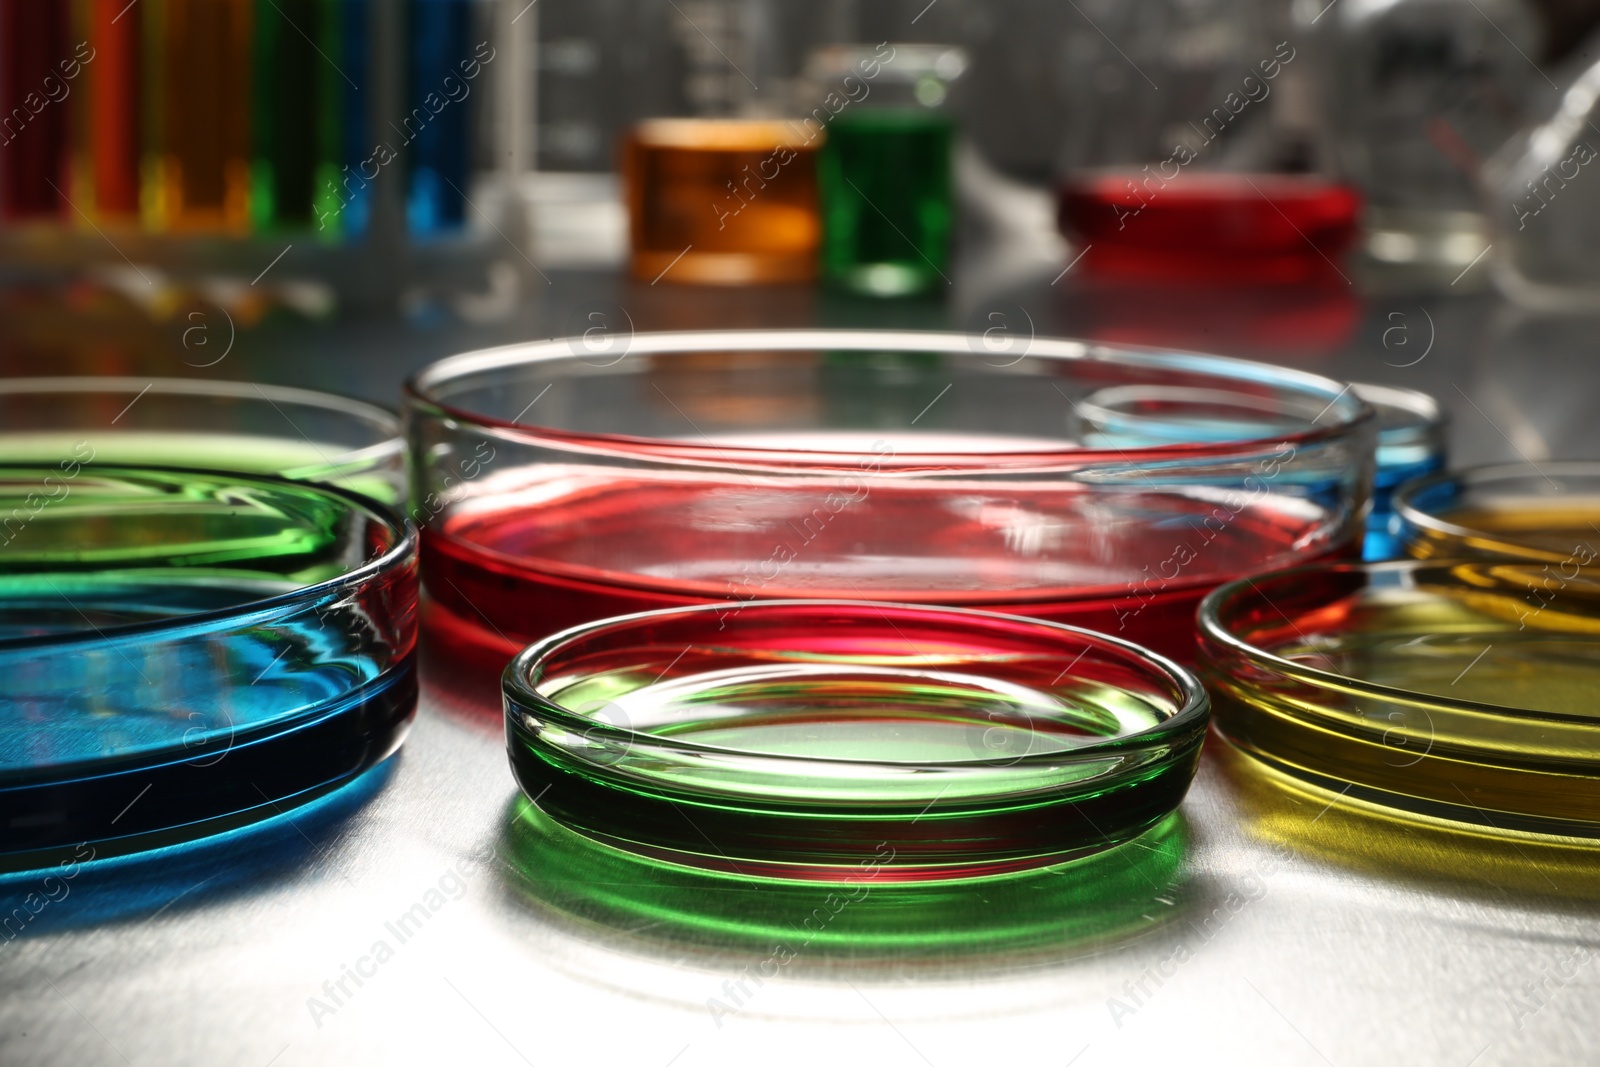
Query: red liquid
{"points": [[1199, 225], [34, 104], [1131, 564]]}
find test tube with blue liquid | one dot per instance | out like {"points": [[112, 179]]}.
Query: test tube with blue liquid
{"points": [[446, 53]]}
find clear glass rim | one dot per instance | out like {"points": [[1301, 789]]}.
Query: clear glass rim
{"points": [[423, 391], [519, 692], [1405, 506], [1423, 405], [396, 557], [383, 422], [1226, 597]]}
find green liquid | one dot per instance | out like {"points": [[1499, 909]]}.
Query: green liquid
{"points": [[295, 111], [858, 712], [305, 461], [887, 201]]}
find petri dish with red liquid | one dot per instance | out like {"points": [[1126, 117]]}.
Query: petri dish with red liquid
{"points": [[1201, 225], [851, 741], [556, 486]]}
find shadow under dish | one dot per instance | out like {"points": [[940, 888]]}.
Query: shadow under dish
{"points": [[839, 741], [185, 651], [1440, 855], [1108, 897], [1452, 690]]}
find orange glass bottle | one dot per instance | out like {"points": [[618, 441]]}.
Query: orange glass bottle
{"points": [[721, 201]]}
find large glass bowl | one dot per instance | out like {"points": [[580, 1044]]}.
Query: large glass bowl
{"points": [[572, 480], [184, 651]]}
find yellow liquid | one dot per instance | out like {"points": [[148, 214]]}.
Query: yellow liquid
{"points": [[1525, 528], [198, 68]]}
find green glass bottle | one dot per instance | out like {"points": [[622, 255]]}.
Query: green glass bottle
{"points": [[884, 178]]}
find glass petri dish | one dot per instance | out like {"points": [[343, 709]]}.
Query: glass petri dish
{"points": [[1411, 433], [846, 740], [1455, 690], [1411, 444], [227, 426], [184, 651], [1548, 513], [574, 480]]}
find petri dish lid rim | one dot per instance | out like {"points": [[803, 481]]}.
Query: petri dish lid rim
{"points": [[1194, 710]]}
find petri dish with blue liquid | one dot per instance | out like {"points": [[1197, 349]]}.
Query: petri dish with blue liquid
{"points": [[1411, 433], [183, 652]]}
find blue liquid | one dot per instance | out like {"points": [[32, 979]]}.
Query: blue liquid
{"points": [[1406, 448], [1384, 539], [436, 123], [355, 140], [185, 730]]}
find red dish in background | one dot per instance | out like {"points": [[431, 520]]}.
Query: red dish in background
{"points": [[1204, 225]]}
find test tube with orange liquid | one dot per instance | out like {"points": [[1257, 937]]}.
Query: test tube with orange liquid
{"points": [[721, 201]]}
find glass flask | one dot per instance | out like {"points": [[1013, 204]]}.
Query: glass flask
{"points": [[1420, 92], [1542, 198]]}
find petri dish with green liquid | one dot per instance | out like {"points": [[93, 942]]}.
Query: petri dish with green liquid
{"points": [[847, 740], [299, 434]]}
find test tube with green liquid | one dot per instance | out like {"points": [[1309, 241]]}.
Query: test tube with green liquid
{"points": [[298, 104]]}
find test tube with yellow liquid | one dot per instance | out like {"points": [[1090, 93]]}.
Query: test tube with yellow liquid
{"points": [[198, 67]]}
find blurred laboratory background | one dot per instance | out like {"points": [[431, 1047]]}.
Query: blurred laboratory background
{"points": [[335, 192]]}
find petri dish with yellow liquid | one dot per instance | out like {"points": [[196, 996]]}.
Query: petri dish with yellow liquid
{"points": [[1455, 690], [1544, 513]]}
